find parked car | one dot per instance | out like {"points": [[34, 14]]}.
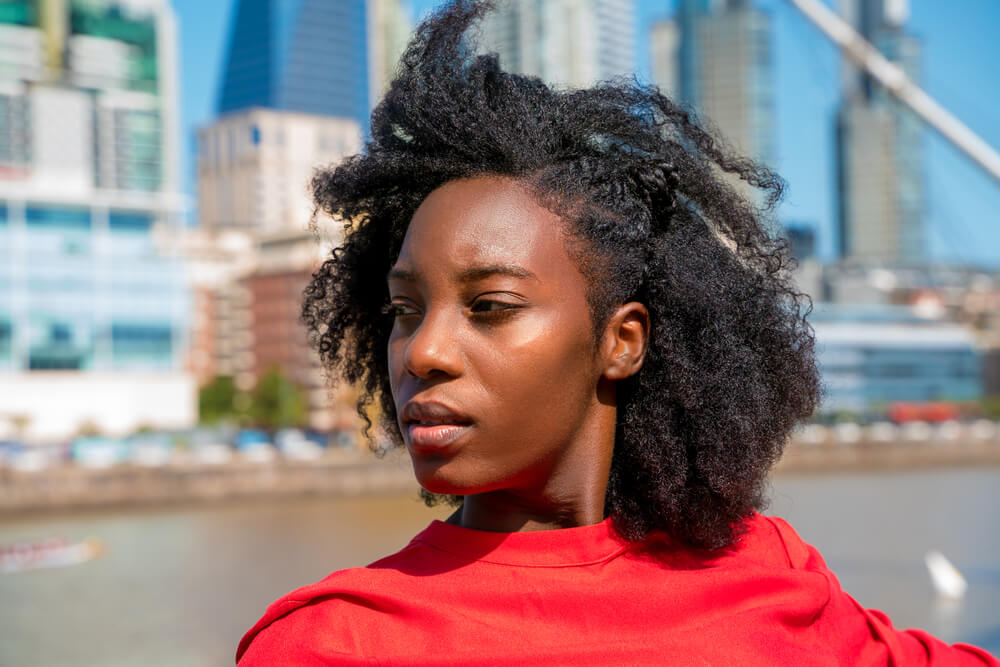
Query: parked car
{"points": [[151, 450], [255, 445], [99, 451], [294, 445]]}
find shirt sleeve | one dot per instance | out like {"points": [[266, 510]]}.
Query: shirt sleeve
{"points": [[318, 633], [916, 647], [867, 635]]}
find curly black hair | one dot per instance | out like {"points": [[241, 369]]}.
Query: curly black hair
{"points": [[649, 195]]}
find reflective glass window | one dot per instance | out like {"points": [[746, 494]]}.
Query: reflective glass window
{"points": [[65, 218], [125, 221], [6, 337], [141, 342]]}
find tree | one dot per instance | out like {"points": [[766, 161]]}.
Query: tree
{"points": [[277, 403], [991, 407], [217, 401]]}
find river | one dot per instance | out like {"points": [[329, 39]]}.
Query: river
{"points": [[179, 586]]}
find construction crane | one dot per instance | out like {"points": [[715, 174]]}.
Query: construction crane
{"points": [[894, 79]]}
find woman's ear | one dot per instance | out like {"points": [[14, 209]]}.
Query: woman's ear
{"points": [[626, 338]]}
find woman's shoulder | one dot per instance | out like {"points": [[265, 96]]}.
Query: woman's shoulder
{"points": [[777, 536], [765, 542], [342, 603]]}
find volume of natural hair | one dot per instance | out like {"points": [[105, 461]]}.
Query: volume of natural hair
{"points": [[648, 194]]}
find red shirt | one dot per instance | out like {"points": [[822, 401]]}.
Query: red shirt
{"points": [[584, 596]]}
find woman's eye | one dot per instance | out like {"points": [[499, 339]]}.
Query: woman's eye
{"points": [[398, 309], [491, 306]]}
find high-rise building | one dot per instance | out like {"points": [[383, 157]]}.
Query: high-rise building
{"points": [[716, 56], [879, 152], [567, 42], [389, 30], [93, 315], [801, 238], [254, 167], [309, 56]]}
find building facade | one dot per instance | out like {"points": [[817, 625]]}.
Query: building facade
{"points": [[880, 181], [255, 165], [278, 339], [309, 56], [869, 358], [565, 42], [389, 29], [90, 308], [716, 56]]}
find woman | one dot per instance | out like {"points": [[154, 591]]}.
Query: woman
{"points": [[587, 340]]}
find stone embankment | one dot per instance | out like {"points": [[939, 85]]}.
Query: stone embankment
{"points": [[76, 487], [350, 473], [871, 455]]}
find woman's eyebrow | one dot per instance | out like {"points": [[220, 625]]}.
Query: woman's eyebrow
{"points": [[471, 274], [401, 274], [474, 273]]}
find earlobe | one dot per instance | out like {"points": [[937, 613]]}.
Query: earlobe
{"points": [[627, 338]]}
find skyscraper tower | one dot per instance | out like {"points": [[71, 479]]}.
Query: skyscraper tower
{"points": [[879, 152], [309, 56], [567, 42], [715, 55], [389, 29]]}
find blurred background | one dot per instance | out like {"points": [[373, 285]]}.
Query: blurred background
{"points": [[170, 458]]}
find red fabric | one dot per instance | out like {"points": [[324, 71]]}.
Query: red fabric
{"points": [[583, 596]]}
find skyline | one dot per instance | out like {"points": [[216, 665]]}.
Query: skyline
{"points": [[963, 223]]}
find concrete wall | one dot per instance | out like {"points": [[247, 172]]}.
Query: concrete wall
{"points": [[55, 405]]}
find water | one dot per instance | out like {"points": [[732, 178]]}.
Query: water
{"points": [[179, 587]]}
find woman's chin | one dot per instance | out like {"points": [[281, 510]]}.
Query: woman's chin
{"points": [[445, 478]]}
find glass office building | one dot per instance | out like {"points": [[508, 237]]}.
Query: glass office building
{"points": [[880, 172], [88, 180], [572, 43], [870, 357], [716, 56], [87, 290], [309, 56]]}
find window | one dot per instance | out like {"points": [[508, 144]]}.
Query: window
{"points": [[6, 337], [125, 221], [146, 342], [60, 218], [53, 348], [48, 360], [255, 135], [60, 333]]}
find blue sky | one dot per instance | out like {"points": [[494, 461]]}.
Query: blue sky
{"points": [[961, 52]]}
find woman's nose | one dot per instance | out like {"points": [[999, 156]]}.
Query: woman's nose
{"points": [[433, 348]]}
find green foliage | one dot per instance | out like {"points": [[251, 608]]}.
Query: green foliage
{"points": [[217, 401], [991, 407], [277, 403]]}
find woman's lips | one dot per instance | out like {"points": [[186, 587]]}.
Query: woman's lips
{"points": [[435, 436]]}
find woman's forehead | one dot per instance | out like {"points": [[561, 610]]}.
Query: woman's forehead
{"points": [[482, 223]]}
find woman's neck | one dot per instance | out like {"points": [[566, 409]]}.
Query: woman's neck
{"points": [[511, 511]]}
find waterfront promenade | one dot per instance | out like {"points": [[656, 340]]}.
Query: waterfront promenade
{"points": [[353, 472]]}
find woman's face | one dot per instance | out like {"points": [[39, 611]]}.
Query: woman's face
{"points": [[493, 365]]}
